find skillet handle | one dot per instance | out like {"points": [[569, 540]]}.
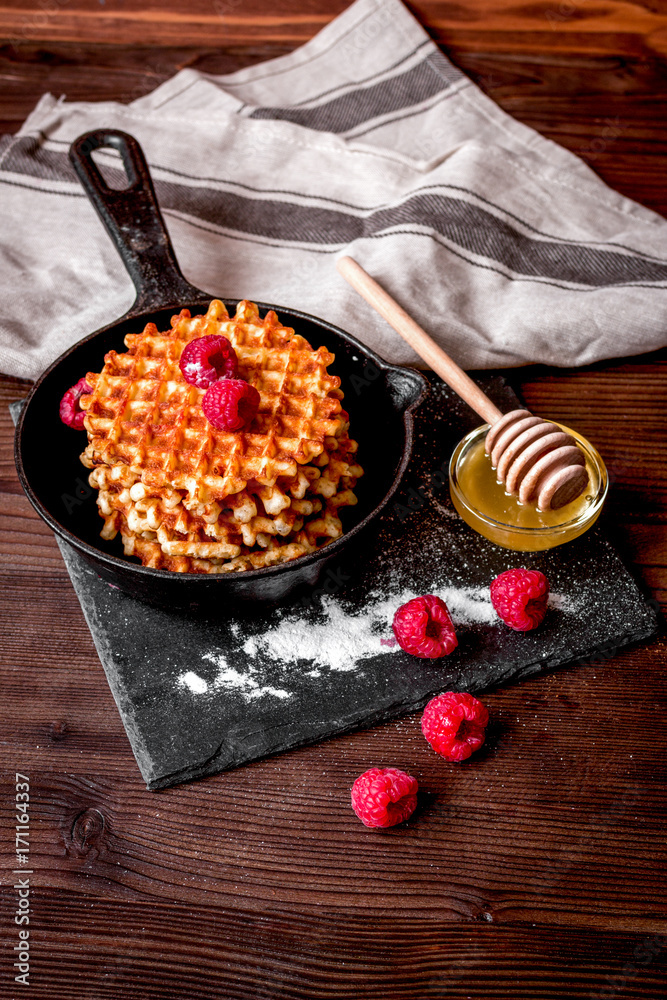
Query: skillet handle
{"points": [[133, 220]]}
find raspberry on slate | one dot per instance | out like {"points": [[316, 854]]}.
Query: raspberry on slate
{"points": [[384, 796], [206, 359], [423, 627], [230, 404], [70, 408], [520, 598], [454, 724]]}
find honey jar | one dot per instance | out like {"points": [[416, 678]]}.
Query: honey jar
{"points": [[483, 503]]}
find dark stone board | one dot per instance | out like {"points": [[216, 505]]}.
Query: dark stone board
{"points": [[202, 693]]}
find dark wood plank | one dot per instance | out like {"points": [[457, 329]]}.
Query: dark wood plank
{"points": [[617, 27], [97, 948], [10, 390], [26, 543], [123, 73]]}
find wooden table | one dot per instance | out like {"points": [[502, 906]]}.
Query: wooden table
{"points": [[535, 871]]}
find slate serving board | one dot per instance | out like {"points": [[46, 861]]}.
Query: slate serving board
{"points": [[203, 693]]}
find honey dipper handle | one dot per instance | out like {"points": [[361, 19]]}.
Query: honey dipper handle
{"points": [[418, 339]]}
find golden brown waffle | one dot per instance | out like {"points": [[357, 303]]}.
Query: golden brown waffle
{"points": [[168, 548], [190, 498], [143, 414], [151, 555], [223, 530], [182, 533], [337, 461]]}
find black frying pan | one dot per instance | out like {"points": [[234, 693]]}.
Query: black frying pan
{"points": [[380, 398]]}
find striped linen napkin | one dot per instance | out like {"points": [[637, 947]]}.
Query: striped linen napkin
{"points": [[365, 141]]}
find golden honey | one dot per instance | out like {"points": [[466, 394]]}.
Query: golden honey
{"points": [[483, 503]]}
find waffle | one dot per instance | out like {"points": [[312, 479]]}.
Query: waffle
{"points": [[187, 497], [222, 530], [144, 415], [171, 548], [151, 555]]}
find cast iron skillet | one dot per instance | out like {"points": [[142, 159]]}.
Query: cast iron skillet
{"points": [[380, 398]]}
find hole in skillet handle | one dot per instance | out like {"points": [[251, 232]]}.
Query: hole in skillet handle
{"points": [[87, 166], [112, 169]]}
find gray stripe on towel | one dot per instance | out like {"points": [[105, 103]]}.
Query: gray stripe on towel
{"points": [[468, 226]]}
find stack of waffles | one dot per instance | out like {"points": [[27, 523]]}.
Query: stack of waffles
{"points": [[188, 497]]}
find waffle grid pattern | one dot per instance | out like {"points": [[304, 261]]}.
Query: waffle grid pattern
{"points": [[187, 497]]}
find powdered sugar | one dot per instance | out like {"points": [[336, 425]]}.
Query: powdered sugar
{"points": [[469, 605], [344, 638], [230, 679], [560, 602], [338, 642], [193, 681], [339, 639]]}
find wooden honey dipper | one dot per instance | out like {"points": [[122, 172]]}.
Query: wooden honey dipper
{"points": [[533, 458]]}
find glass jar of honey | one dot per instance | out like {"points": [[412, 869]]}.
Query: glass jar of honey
{"points": [[483, 503]]}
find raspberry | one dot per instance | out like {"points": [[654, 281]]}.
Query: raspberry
{"points": [[70, 408], [230, 404], [520, 598], [423, 627], [454, 723], [384, 796], [207, 359]]}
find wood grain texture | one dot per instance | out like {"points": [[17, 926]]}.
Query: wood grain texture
{"points": [[536, 869], [608, 27], [10, 390], [205, 953]]}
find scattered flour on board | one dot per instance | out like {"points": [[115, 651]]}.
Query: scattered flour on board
{"points": [[559, 601], [340, 641], [345, 638], [193, 681], [229, 679]]}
